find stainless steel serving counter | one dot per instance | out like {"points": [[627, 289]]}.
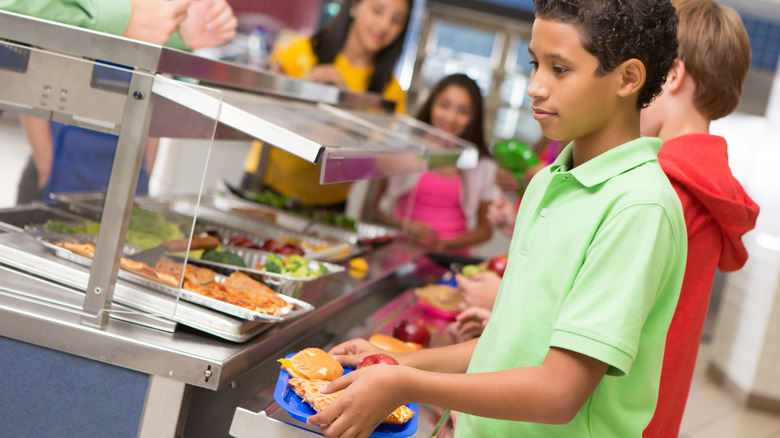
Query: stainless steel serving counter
{"points": [[193, 381]]}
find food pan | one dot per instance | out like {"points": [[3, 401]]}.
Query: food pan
{"points": [[303, 224], [299, 307], [284, 284]]}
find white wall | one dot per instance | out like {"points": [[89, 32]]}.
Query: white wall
{"points": [[14, 154], [746, 343]]}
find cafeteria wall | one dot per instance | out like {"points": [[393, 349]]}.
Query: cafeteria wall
{"points": [[746, 339]]}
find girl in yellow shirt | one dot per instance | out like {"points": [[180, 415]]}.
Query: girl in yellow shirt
{"points": [[357, 50]]}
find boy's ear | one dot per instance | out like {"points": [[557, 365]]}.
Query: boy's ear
{"points": [[632, 77], [675, 77]]}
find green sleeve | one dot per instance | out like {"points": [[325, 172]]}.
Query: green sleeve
{"points": [[111, 16], [176, 42]]}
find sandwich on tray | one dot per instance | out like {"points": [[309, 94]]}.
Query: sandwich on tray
{"points": [[312, 369]]}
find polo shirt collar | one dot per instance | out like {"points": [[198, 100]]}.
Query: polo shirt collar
{"points": [[611, 163]]}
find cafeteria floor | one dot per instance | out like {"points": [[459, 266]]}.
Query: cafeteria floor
{"points": [[712, 412]]}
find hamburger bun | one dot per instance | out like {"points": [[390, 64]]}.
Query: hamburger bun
{"points": [[313, 363], [395, 345], [440, 296]]}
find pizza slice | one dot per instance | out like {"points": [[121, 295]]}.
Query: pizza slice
{"points": [[218, 291], [254, 290], [309, 391], [192, 273], [82, 249]]}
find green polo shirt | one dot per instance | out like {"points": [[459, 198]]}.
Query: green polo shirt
{"points": [[109, 16], [595, 266]]}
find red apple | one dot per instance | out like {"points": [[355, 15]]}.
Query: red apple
{"points": [[412, 330], [498, 264], [375, 359], [239, 240]]}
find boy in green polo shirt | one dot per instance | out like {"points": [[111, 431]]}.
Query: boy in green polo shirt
{"points": [[575, 344]]}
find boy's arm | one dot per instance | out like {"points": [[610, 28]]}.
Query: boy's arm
{"points": [[551, 393], [450, 359]]}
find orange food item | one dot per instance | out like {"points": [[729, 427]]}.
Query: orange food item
{"points": [[191, 272], [309, 391], [395, 345], [238, 289], [253, 289]]}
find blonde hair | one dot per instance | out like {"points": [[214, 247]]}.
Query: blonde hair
{"points": [[714, 46]]}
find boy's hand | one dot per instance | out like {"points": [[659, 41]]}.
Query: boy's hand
{"points": [[502, 215], [470, 323], [350, 353], [370, 395], [479, 290], [209, 23], [153, 21]]}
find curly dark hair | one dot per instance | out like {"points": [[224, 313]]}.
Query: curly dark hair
{"points": [[615, 31]]}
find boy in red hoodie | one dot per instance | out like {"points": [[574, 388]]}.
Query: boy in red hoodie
{"points": [[705, 84]]}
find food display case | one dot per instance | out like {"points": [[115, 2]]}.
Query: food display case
{"points": [[96, 341]]}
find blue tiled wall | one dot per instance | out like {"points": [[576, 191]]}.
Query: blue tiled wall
{"points": [[764, 41], [764, 34]]}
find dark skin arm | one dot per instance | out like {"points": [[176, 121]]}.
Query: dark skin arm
{"points": [[552, 392]]}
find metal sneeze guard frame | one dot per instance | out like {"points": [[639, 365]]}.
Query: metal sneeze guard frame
{"points": [[348, 148]]}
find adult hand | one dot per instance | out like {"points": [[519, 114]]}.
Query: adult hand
{"points": [[326, 74], [209, 23], [502, 214], [350, 353], [154, 21], [479, 290], [370, 395]]}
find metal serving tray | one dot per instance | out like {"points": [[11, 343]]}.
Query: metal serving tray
{"points": [[20, 217], [299, 307], [91, 204], [230, 224], [283, 284], [230, 202]]}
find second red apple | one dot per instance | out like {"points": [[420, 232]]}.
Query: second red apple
{"points": [[375, 359], [414, 330]]}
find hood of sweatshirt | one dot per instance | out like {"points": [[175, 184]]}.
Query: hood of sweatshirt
{"points": [[699, 164]]}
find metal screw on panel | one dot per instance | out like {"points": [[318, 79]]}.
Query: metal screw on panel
{"points": [[207, 374], [98, 290], [138, 95]]}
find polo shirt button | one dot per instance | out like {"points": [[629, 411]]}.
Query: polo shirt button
{"points": [[544, 211]]}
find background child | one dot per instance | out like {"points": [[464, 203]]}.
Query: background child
{"points": [[705, 84], [575, 344], [446, 208], [357, 50]]}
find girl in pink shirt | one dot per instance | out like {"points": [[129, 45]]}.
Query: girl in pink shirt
{"points": [[445, 209]]}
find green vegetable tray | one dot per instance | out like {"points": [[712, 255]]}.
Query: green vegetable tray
{"points": [[284, 284]]}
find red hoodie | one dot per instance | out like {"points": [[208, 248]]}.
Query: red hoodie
{"points": [[717, 213]]}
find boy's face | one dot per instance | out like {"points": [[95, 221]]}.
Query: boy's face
{"points": [[569, 101]]}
